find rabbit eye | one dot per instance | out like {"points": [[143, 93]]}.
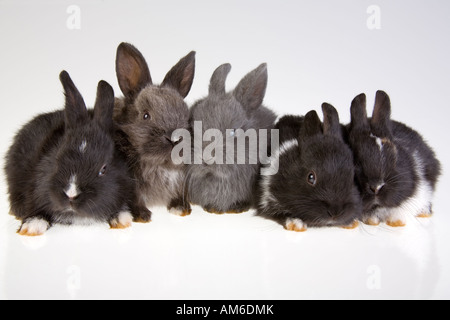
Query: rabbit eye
{"points": [[102, 171], [312, 178], [146, 116]]}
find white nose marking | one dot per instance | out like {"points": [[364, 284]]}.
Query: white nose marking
{"points": [[83, 146], [72, 189]]}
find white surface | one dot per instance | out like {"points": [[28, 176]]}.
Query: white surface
{"points": [[316, 51]]}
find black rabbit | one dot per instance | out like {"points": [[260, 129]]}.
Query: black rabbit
{"points": [[314, 185], [63, 167]]}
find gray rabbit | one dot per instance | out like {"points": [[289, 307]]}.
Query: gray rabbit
{"points": [[147, 115], [223, 181]]}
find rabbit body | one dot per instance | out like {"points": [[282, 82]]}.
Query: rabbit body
{"points": [[64, 167], [225, 181], [148, 115], [396, 170]]}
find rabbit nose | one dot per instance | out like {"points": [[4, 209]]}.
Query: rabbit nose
{"points": [[72, 191], [172, 140], [376, 188]]}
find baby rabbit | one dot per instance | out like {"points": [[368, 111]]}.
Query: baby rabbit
{"points": [[314, 186], [63, 166], [147, 115], [223, 181], [396, 170]]}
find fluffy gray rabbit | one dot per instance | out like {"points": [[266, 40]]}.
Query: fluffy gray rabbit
{"points": [[223, 180], [64, 167], [148, 114]]}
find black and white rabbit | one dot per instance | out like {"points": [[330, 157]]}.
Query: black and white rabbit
{"points": [[314, 185], [222, 181], [396, 170], [63, 167], [148, 115]]}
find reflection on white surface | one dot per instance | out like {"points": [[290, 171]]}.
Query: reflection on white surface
{"points": [[204, 256]]}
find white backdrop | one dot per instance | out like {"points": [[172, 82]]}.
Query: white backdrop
{"points": [[317, 51]]}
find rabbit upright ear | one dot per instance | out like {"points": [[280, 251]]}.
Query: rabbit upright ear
{"points": [[104, 105], [181, 76], [132, 70], [218, 79], [311, 125], [331, 124], [359, 114], [75, 108], [381, 117], [251, 89]]}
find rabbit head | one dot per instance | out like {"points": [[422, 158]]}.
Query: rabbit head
{"points": [[232, 114], [85, 177], [325, 184], [149, 113], [376, 156]]}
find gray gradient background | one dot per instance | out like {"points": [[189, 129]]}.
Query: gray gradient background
{"points": [[317, 51]]}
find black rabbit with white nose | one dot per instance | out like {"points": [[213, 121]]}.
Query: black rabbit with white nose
{"points": [[396, 170], [63, 167]]}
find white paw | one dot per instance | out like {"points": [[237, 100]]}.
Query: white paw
{"points": [[34, 227], [372, 221], [180, 213], [294, 224], [123, 221]]}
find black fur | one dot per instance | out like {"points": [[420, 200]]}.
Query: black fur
{"points": [[334, 199], [391, 159], [49, 150]]}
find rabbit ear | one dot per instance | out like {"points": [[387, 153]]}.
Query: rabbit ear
{"points": [[381, 117], [181, 76], [104, 105], [132, 70], [217, 83], [251, 89], [311, 125], [331, 124], [75, 108], [359, 114]]}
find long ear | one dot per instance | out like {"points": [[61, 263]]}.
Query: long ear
{"points": [[251, 89], [358, 114], [331, 124], [75, 108], [104, 105], [381, 117], [217, 83], [132, 70], [181, 76], [311, 125]]}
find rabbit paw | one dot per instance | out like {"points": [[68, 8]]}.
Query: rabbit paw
{"points": [[211, 209], [179, 207], [122, 221], [396, 223], [239, 207], [182, 212], [33, 227], [425, 215], [351, 226], [142, 215], [297, 225], [372, 221]]}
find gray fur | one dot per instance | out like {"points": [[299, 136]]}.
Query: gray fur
{"points": [[148, 114], [221, 188]]}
